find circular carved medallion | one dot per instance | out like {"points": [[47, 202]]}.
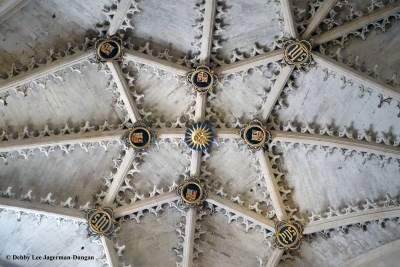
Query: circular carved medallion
{"points": [[191, 192], [297, 53], [254, 135], [108, 50], [139, 137], [288, 235], [100, 221], [202, 79]]}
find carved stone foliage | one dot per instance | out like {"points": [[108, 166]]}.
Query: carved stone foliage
{"points": [[253, 191]]}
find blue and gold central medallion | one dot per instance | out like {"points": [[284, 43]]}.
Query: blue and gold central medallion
{"points": [[100, 221], [202, 79], [139, 137], [254, 135], [109, 49], [199, 136], [191, 192], [288, 235]]}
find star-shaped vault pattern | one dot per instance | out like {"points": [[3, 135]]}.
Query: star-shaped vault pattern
{"points": [[331, 165]]}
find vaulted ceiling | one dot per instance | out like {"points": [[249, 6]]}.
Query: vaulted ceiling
{"points": [[332, 164]]}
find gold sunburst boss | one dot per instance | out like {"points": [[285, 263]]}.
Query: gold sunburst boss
{"points": [[199, 136]]}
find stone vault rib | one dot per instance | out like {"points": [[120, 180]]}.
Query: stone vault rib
{"points": [[145, 204], [111, 254], [119, 16], [274, 258], [356, 24], [290, 23], [59, 140], [339, 142], [42, 209], [383, 250], [246, 214], [119, 177], [42, 71], [356, 76], [226, 133], [276, 90], [352, 218], [78, 138], [164, 133], [208, 26], [190, 227], [157, 63], [10, 7], [319, 15], [248, 63], [272, 185], [124, 91]]}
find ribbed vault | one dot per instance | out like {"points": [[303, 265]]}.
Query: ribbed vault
{"points": [[332, 164]]}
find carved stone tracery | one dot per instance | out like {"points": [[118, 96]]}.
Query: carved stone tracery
{"points": [[277, 175]]}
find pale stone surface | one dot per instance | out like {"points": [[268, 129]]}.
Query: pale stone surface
{"points": [[44, 24], [325, 103], [29, 237], [79, 175], [167, 24], [242, 98], [248, 23], [379, 48], [321, 180], [160, 167], [223, 244], [80, 98], [341, 247], [164, 97], [151, 242], [238, 174], [318, 180]]}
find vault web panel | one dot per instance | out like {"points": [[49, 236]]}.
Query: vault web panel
{"points": [[326, 103], [80, 98], [229, 245], [160, 167], [30, 237], [333, 180], [238, 175], [151, 242], [167, 24], [45, 24], [247, 24], [79, 175], [342, 247], [378, 49], [242, 97], [163, 96]]}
